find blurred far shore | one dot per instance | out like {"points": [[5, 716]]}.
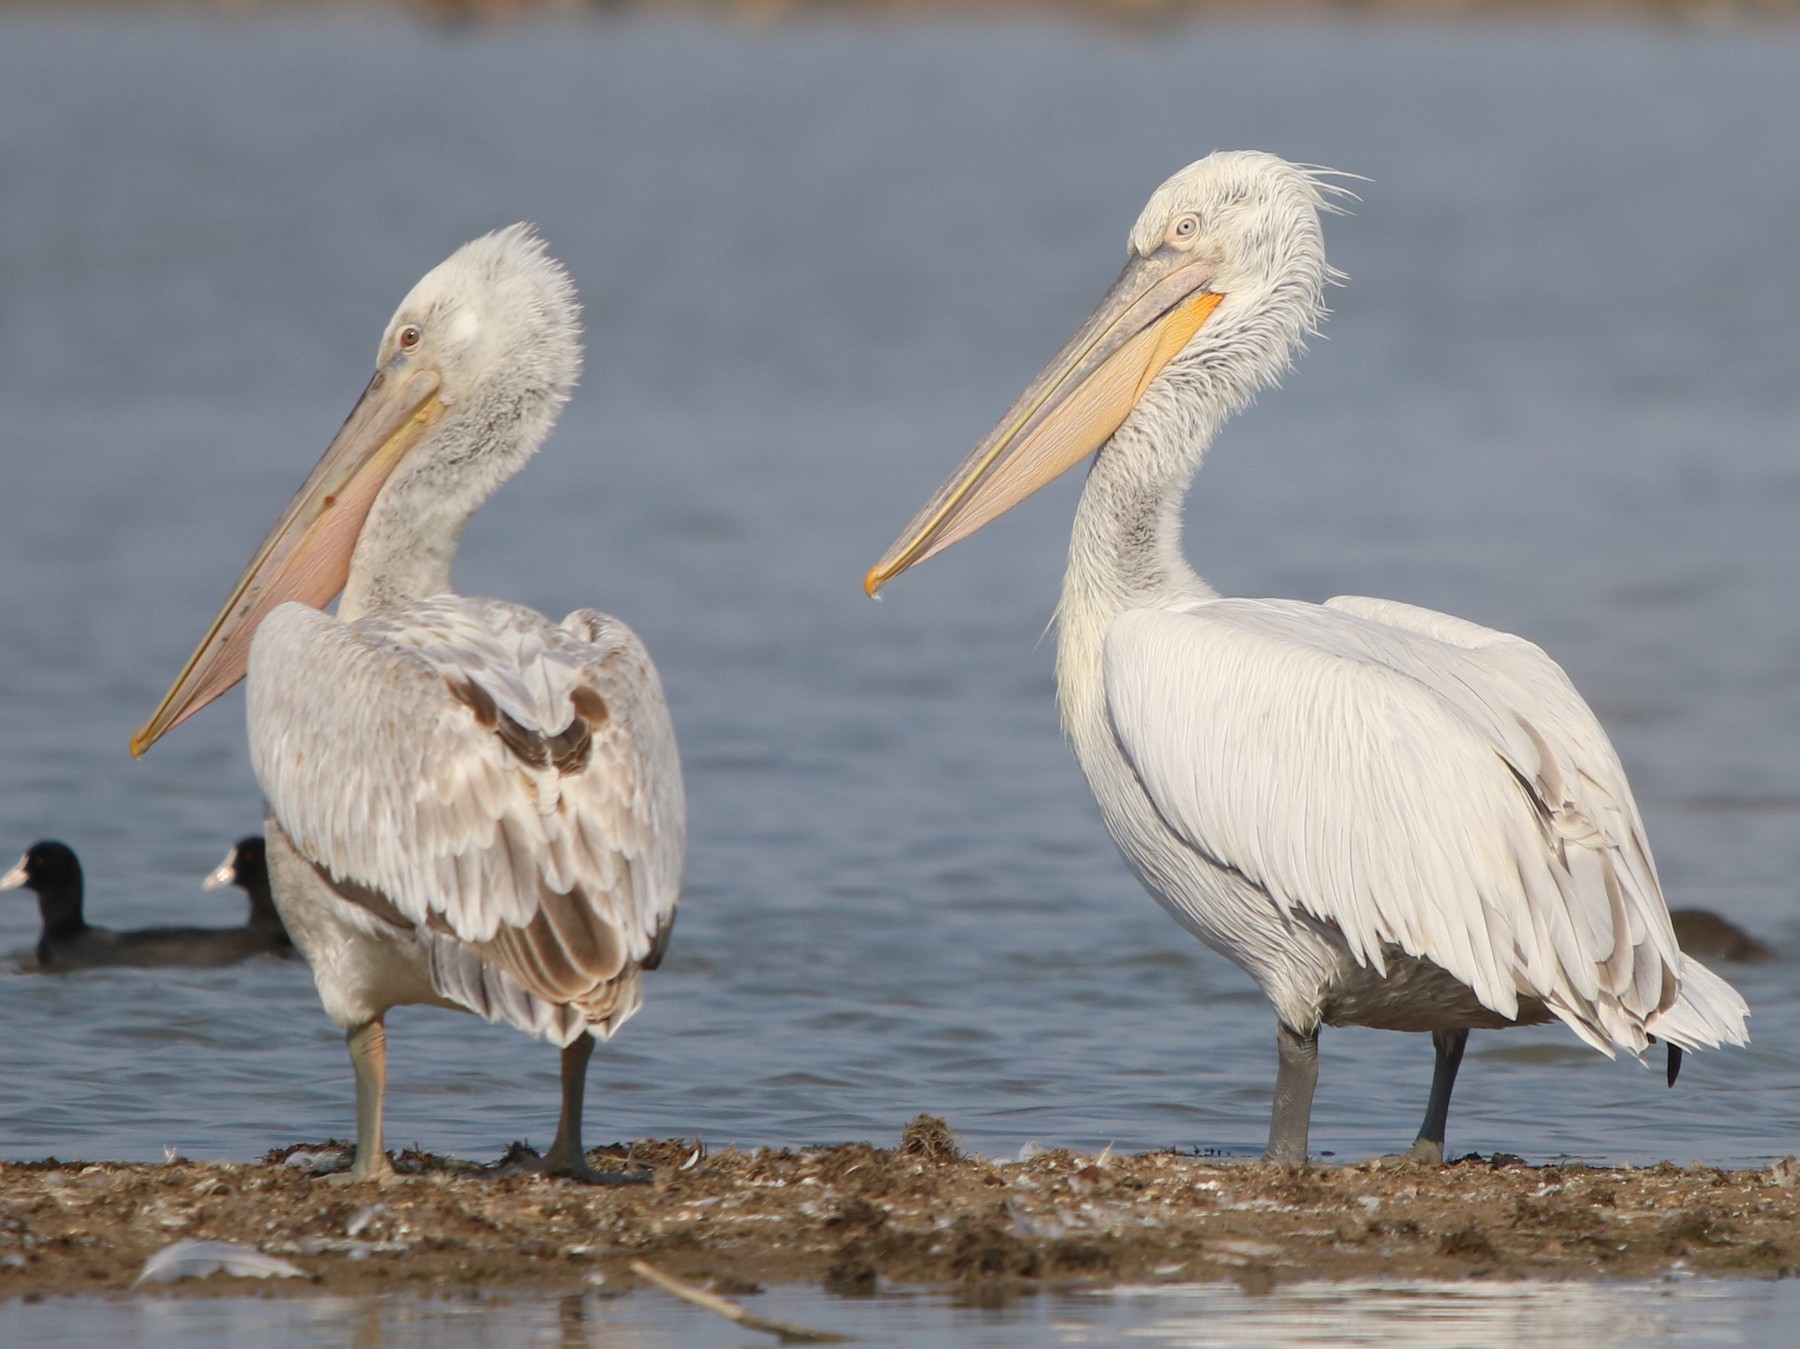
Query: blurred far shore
{"points": [[1123, 12]]}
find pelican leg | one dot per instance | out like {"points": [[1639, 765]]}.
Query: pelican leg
{"points": [[1429, 1145], [1294, 1083], [368, 1055], [566, 1156]]}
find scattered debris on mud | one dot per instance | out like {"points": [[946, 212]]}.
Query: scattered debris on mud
{"points": [[854, 1217]]}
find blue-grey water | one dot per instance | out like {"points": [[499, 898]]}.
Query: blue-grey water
{"points": [[1559, 395], [1479, 1314]]}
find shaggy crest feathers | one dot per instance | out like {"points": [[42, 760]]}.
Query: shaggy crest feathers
{"points": [[1259, 216], [501, 293], [499, 323], [1259, 224]]}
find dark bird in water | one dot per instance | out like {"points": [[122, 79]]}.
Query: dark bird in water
{"points": [[69, 942], [1704, 933], [247, 867]]}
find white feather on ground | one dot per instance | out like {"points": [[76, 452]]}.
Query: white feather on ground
{"points": [[199, 1259]]}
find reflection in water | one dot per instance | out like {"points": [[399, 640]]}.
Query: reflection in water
{"points": [[1471, 1315], [1503, 1314]]}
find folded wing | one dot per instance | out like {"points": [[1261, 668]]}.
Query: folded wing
{"points": [[504, 784], [1419, 782]]}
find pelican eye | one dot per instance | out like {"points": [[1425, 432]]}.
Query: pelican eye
{"points": [[1185, 227], [408, 337]]}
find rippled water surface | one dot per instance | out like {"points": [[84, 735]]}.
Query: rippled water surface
{"points": [[1560, 395], [1475, 1315]]}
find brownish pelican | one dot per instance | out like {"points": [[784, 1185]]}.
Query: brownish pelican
{"points": [[467, 805]]}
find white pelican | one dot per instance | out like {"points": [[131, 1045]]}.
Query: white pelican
{"points": [[467, 804], [1387, 816]]}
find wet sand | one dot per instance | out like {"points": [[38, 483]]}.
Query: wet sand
{"points": [[854, 1218]]}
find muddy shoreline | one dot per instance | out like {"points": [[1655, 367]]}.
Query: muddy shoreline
{"points": [[856, 1218]]}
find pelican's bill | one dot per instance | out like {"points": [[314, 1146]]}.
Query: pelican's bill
{"points": [[1071, 409], [306, 557]]}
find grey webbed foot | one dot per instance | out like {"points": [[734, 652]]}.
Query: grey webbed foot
{"points": [[378, 1173], [1425, 1151], [577, 1169]]}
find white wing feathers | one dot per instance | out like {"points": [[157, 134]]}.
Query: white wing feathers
{"points": [[1420, 782], [486, 776]]}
